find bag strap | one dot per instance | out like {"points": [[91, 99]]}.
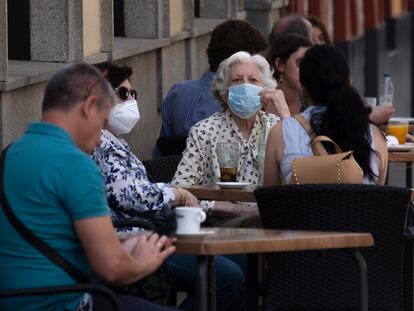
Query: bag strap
{"points": [[316, 141], [323, 138], [305, 124], [317, 148], [31, 238]]}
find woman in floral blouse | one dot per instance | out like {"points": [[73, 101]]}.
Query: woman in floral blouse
{"points": [[129, 191], [243, 85]]}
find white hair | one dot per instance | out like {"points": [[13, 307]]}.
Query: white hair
{"points": [[221, 80]]}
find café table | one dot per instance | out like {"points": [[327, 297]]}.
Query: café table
{"points": [[216, 193], [403, 157], [253, 241]]}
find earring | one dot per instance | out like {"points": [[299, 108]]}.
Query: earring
{"points": [[280, 79]]}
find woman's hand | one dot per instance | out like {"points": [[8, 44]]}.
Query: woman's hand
{"points": [[190, 199], [225, 208], [273, 101], [381, 114], [184, 198]]}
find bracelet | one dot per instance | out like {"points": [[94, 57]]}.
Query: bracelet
{"points": [[180, 191]]}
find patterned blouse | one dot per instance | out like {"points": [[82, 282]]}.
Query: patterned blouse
{"points": [[199, 164], [127, 186]]}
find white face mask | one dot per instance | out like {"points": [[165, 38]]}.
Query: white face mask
{"points": [[124, 116]]}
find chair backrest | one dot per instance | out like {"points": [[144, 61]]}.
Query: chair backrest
{"points": [[171, 145], [103, 298], [327, 280], [162, 169]]}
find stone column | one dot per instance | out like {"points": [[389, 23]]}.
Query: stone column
{"points": [[215, 8], [188, 14], [3, 38], [56, 30], [107, 27], [264, 13], [144, 18]]}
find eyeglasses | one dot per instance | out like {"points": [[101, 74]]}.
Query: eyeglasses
{"points": [[123, 93]]}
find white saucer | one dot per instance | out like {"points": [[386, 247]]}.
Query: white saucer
{"points": [[200, 233], [401, 148], [232, 185]]}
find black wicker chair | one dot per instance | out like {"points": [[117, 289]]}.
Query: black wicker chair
{"points": [[162, 169], [325, 280], [109, 301], [171, 145]]}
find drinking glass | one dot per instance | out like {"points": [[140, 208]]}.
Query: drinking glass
{"points": [[399, 129], [228, 154], [371, 101]]}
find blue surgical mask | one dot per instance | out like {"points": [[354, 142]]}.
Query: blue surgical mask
{"points": [[244, 100]]}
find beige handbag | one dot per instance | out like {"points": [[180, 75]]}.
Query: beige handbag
{"points": [[338, 168]]}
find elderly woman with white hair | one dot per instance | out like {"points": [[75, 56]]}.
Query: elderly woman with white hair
{"points": [[247, 92]]}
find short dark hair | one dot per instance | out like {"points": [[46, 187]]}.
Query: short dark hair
{"points": [[72, 84], [233, 36], [292, 23], [115, 73], [316, 22], [282, 47]]}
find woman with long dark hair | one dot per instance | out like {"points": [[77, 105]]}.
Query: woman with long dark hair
{"points": [[335, 110]]}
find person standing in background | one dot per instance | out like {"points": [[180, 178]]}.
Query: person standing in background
{"points": [[291, 23], [320, 34]]}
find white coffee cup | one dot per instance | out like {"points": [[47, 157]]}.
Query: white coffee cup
{"points": [[189, 219]]}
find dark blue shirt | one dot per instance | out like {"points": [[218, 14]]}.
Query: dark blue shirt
{"points": [[185, 104]]}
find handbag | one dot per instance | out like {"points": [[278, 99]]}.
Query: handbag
{"points": [[340, 167], [162, 221]]}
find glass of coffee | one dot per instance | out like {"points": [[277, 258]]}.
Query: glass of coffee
{"points": [[228, 154]]}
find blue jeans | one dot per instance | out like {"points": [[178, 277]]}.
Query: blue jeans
{"points": [[182, 269]]}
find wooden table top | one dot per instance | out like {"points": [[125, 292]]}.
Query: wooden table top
{"points": [[241, 240], [407, 156], [214, 192]]}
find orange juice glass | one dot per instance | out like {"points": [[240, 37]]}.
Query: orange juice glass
{"points": [[399, 129]]}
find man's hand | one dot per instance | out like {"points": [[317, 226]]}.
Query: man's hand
{"points": [[151, 250]]}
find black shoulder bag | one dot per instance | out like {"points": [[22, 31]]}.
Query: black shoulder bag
{"points": [[33, 239]]}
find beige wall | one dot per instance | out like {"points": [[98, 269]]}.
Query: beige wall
{"points": [[176, 16], [91, 27], [19, 108], [144, 79]]}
